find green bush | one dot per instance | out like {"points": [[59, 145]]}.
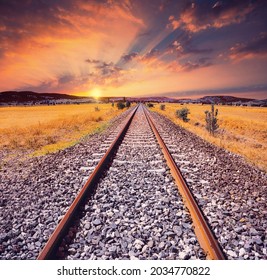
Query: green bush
{"points": [[120, 105], [162, 107], [212, 120], [183, 114]]}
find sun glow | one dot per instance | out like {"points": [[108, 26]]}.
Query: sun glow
{"points": [[96, 93]]}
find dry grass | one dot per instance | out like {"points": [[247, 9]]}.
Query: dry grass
{"points": [[43, 129], [243, 130]]}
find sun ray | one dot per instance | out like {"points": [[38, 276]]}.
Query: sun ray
{"points": [[95, 93]]}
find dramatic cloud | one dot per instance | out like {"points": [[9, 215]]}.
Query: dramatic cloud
{"points": [[67, 78], [203, 15], [131, 46], [108, 69], [88, 60], [183, 45], [129, 57], [202, 62], [188, 66], [41, 39], [256, 47]]}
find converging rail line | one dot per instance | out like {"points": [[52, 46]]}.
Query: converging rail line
{"points": [[131, 208], [202, 230]]}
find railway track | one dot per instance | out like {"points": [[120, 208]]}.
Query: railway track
{"points": [[231, 193], [129, 208]]}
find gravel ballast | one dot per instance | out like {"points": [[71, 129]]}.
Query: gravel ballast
{"points": [[136, 211], [231, 192], [36, 193]]}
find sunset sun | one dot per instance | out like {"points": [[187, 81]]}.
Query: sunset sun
{"points": [[95, 93]]}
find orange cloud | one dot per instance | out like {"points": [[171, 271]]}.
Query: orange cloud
{"points": [[120, 47], [42, 52], [252, 49], [200, 17]]}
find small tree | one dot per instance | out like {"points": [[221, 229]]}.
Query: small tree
{"points": [[182, 114], [120, 105], [112, 104], [127, 104], [211, 120], [162, 107], [150, 105]]}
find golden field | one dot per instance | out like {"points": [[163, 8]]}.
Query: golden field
{"points": [[242, 130], [43, 129]]}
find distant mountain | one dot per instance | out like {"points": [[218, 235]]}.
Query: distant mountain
{"points": [[204, 100], [30, 96], [261, 103], [218, 99], [223, 99]]}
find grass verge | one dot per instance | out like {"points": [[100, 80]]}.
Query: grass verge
{"points": [[44, 129], [242, 130]]}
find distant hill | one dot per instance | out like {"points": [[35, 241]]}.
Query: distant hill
{"points": [[218, 99], [259, 103], [231, 100], [34, 98], [223, 99], [203, 100], [30, 96]]}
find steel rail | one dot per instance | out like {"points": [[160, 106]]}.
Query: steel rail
{"points": [[49, 249], [205, 236]]}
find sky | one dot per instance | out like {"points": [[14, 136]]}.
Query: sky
{"points": [[134, 47]]}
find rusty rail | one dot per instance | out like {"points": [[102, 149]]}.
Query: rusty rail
{"points": [[49, 249], [204, 234], [202, 230]]}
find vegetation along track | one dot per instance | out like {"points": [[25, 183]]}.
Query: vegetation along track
{"points": [[134, 210], [36, 193], [231, 193]]}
